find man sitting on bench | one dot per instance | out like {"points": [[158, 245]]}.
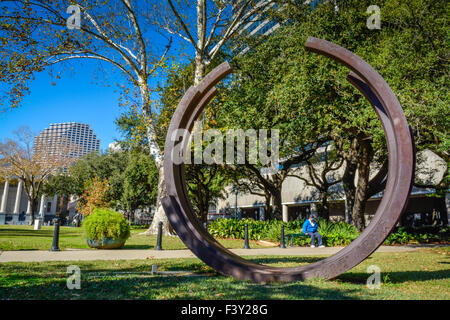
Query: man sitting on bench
{"points": [[310, 229]]}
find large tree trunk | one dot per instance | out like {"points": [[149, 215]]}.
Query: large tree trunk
{"points": [[362, 184], [207, 201], [267, 206], [348, 182], [33, 209], [155, 152], [323, 206], [200, 69], [277, 206], [200, 65], [201, 204], [160, 215]]}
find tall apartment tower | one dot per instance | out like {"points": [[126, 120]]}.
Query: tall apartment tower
{"points": [[261, 24], [78, 136], [258, 23]]}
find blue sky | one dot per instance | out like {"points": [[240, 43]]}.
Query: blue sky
{"points": [[73, 99]]}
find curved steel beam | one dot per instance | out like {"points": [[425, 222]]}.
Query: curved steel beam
{"points": [[399, 181]]}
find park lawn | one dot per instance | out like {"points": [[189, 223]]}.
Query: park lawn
{"points": [[421, 274], [13, 237]]}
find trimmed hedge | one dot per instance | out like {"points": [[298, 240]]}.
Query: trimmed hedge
{"points": [[333, 233], [106, 223]]}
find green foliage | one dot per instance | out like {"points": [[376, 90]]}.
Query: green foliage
{"points": [[108, 166], [333, 233], [131, 175], [278, 85], [418, 235], [140, 182], [94, 196], [105, 223]]}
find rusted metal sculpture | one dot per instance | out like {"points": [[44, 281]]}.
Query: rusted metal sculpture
{"points": [[398, 186]]}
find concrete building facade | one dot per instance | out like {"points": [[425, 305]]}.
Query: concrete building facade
{"points": [[14, 205], [300, 199], [70, 133]]}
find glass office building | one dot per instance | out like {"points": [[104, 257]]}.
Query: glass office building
{"points": [[79, 138]]}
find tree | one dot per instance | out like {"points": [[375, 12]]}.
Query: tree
{"points": [[109, 166], [36, 38], [216, 23], [204, 182], [33, 166], [322, 174], [62, 186], [140, 183], [411, 53], [94, 196], [272, 89]]}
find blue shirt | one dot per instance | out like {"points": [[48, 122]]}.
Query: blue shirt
{"points": [[308, 227]]}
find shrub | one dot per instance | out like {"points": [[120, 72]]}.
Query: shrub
{"points": [[418, 235], [333, 233], [105, 223]]}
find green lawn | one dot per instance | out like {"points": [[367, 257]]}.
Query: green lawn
{"points": [[422, 274], [25, 238]]}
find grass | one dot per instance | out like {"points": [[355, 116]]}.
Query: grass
{"points": [[14, 237], [421, 274]]}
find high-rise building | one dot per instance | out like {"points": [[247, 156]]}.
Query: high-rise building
{"points": [[259, 23], [77, 137]]}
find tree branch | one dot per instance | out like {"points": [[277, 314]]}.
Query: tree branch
{"points": [[183, 25]]}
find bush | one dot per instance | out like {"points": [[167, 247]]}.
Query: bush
{"points": [[105, 223], [418, 235], [333, 233]]}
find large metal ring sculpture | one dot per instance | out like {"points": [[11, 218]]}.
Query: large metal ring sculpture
{"points": [[398, 186]]}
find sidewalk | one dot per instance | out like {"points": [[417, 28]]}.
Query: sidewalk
{"points": [[92, 254]]}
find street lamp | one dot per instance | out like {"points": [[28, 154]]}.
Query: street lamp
{"points": [[55, 245]]}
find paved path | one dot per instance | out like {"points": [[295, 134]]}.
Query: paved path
{"points": [[92, 254]]}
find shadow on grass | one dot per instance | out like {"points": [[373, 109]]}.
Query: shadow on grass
{"points": [[284, 260], [159, 287], [48, 281], [138, 246], [396, 276], [25, 232]]}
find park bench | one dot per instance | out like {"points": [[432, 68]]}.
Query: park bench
{"points": [[291, 236]]}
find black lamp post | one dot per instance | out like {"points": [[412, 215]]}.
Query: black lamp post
{"points": [[159, 239], [55, 245]]}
